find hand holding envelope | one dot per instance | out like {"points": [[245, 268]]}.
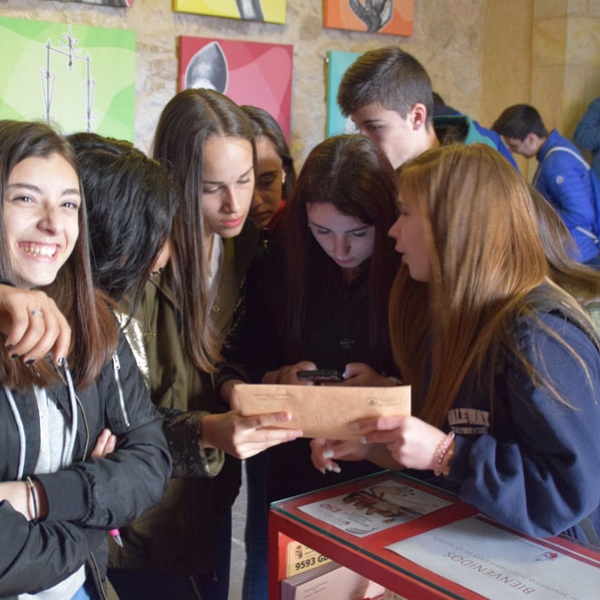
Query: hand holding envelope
{"points": [[324, 411]]}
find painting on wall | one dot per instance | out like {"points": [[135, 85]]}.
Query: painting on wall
{"points": [[394, 17], [270, 11], [247, 72], [123, 3], [66, 75], [337, 65]]}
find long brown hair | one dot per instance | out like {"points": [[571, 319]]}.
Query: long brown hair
{"points": [[187, 121], [487, 266], [94, 329], [350, 172]]}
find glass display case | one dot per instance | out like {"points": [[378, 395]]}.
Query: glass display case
{"points": [[422, 542]]}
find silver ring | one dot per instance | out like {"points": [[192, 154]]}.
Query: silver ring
{"points": [[36, 313]]}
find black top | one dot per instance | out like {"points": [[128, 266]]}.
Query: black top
{"points": [[335, 333]]}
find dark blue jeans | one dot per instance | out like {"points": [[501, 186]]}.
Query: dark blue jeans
{"points": [[83, 594], [256, 534]]}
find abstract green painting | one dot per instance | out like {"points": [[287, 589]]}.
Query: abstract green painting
{"points": [[75, 78]]}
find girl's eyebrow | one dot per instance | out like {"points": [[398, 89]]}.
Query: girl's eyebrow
{"points": [[35, 188], [240, 177], [363, 228], [317, 225]]}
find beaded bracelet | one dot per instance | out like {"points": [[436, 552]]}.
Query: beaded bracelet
{"points": [[31, 485], [440, 454]]}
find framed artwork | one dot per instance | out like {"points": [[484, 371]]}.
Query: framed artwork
{"points": [[123, 3], [337, 65], [270, 11], [247, 72], [394, 17], [73, 77]]}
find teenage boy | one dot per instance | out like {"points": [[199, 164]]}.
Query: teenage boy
{"points": [[388, 95], [563, 177]]}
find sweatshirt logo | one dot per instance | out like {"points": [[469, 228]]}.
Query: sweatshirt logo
{"points": [[469, 421]]}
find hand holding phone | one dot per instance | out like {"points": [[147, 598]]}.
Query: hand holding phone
{"points": [[319, 376]]}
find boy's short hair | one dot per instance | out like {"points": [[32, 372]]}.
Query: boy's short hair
{"points": [[518, 121], [389, 76]]}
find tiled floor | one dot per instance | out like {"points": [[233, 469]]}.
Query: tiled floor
{"points": [[238, 553]]}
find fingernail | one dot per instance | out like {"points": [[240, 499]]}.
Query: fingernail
{"points": [[363, 440], [327, 453], [322, 471], [30, 362], [329, 467], [336, 469], [61, 361], [355, 426], [9, 347], [14, 356]]}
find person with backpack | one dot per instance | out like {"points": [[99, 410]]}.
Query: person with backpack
{"points": [[563, 177]]}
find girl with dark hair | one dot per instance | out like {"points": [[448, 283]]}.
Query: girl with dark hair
{"points": [[320, 300], [504, 364], [275, 174], [130, 205], [181, 549], [62, 470]]}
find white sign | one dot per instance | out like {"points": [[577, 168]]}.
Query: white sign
{"points": [[501, 565]]}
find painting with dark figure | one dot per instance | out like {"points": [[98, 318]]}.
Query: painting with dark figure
{"points": [[373, 13], [122, 3], [269, 11], [394, 17], [250, 9], [228, 65], [207, 69]]}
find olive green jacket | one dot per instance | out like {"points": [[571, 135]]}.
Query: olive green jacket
{"points": [[177, 536]]}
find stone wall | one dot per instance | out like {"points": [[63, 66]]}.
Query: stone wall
{"points": [[448, 40], [565, 60]]}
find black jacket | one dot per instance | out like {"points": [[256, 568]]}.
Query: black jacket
{"points": [[90, 496]]}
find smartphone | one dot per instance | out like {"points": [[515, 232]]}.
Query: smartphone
{"points": [[320, 375]]}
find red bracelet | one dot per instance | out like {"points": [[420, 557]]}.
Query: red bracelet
{"points": [[440, 453]]}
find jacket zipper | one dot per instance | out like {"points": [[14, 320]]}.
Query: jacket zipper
{"points": [[98, 576], [117, 368]]}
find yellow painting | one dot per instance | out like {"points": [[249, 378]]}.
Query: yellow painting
{"points": [[270, 11]]}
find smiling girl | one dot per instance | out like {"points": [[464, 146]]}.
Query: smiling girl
{"points": [[65, 479]]}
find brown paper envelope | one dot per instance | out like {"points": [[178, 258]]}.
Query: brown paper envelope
{"points": [[321, 410]]}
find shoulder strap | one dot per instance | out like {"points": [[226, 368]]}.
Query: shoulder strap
{"points": [[595, 190], [571, 152]]}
